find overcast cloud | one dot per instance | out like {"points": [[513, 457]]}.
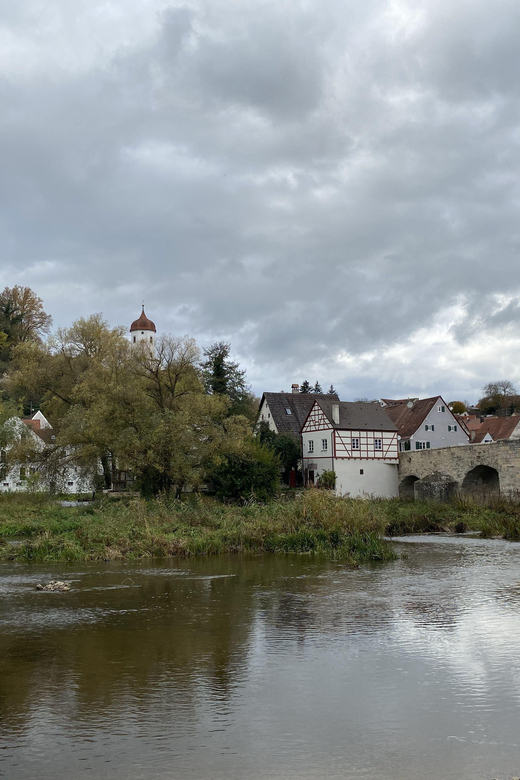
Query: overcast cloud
{"points": [[332, 186]]}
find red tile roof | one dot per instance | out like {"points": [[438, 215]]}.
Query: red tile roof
{"points": [[408, 415]]}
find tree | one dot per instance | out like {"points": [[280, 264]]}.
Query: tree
{"points": [[222, 376], [305, 387], [249, 470], [331, 391], [317, 388], [457, 407], [22, 319], [497, 397], [288, 449]]}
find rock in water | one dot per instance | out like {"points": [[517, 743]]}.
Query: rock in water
{"points": [[55, 586]]}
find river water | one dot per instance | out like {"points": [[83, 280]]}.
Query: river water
{"points": [[264, 668]]}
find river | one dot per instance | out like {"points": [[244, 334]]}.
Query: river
{"points": [[265, 668]]}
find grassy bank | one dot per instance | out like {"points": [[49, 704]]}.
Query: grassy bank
{"points": [[200, 526], [315, 522]]}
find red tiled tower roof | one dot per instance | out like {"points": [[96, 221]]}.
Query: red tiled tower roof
{"points": [[143, 323]]}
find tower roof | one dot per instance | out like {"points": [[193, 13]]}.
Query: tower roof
{"points": [[143, 323]]}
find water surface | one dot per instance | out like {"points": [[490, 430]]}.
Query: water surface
{"points": [[256, 668]]}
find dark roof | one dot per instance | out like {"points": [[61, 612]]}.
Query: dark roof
{"points": [[356, 415], [300, 405], [498, 427], [408, 418], [143, 323]]}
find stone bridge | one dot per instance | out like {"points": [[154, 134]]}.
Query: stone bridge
{"points": [[488, 469]]}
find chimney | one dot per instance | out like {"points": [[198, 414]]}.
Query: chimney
{"points": [[295, 388], [335, 413]]}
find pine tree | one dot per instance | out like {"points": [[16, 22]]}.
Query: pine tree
{"points": [[305, 387], [317, 388], [331, 390]]}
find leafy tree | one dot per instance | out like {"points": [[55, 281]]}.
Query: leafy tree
{"points": [[497, 397], [222, 376], [305, 387], [264, 434], [22, 319], [457, 407], [250, 470], [288, 449], [317, 388]]}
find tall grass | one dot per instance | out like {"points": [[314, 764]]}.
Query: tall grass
{"points": [[314, 522]]}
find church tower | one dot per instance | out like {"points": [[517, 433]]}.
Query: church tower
{"points": [[143, 330]]}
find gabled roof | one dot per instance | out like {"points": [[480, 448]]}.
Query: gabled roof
{"points": [[408, 415], [43, 431], [356, 415], [299, 404], [498, 427]]}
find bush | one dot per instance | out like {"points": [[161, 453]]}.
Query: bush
{"points": [[250, 471], [327, 480]]}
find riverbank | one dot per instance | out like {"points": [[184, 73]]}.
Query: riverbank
{"points": [[315, 522]]}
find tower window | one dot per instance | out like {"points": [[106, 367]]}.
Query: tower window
{"points": [[151, 339], [142, 333], [134, 339]]}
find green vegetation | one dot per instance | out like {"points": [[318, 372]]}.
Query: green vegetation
{"points": [[313, 522]]}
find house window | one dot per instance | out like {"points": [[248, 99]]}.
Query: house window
{"points": [[441, 408], [452, 427], [422, 445], [405, 446], [361, 471], [324, 444], [429, 427], [22, 472], [288, 411], [70, 483], [378, 444], [311, 445], [355, 443]]}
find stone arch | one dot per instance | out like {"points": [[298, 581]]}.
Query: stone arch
{"points": [[482, 481], [406, 487]]}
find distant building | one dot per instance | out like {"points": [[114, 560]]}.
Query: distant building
{"points": [[425, 423], [485, 430], [357, 441], [20, 477], [143, 330], [287, 412]]}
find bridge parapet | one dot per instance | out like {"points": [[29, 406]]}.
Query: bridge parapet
{"points": [[466, 465]]}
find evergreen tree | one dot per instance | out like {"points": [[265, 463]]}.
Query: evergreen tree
{"points": [[331, 390], [317, 388], [305, 387], [221, 376]]}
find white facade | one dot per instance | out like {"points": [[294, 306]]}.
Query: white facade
{"points": [[365, 461], [142, 332], [264, 415], [19, 478]]}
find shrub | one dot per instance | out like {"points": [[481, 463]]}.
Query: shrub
{"points": [[327, 480], [251, 470]]}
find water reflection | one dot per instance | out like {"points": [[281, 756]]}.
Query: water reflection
{"points": [[265, 667]]}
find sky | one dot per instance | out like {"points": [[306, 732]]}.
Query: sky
{"points": [[331, 186]]}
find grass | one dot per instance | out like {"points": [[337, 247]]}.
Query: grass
{"points": [[315, 522]]}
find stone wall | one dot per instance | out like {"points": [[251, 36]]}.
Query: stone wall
{"points": [[454, 463]]}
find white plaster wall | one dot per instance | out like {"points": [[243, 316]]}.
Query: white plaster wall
{"points": [[440, 436], [142, 337], [264, 415], [378, 479]]}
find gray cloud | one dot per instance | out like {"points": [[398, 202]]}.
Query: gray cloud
{"points": [[306, 181]]}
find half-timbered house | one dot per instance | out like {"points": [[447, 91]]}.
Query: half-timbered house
{"points": [[357, 441]]}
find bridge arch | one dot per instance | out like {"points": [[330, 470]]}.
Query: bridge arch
{"points": [[406, 487], [482, 480]]}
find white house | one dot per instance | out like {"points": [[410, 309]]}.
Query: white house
{"points": [[357, 441], [19, 477], [425, 423]]}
